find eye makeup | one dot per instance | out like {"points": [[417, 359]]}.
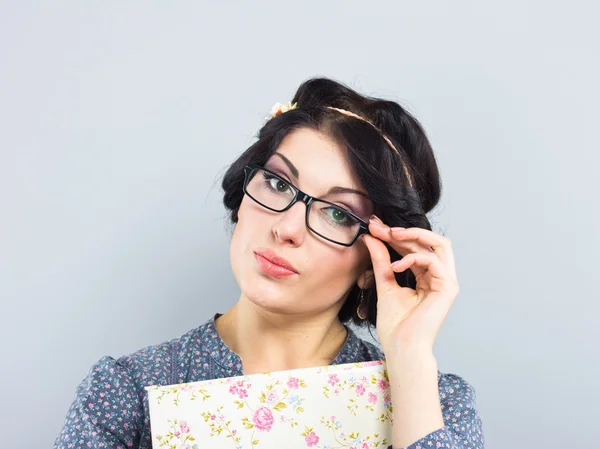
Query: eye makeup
{"points": [[355, 206]]}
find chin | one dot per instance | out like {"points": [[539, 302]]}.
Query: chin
{"points": [[269, 297], [271, 307]]}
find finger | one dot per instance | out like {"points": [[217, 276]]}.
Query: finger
{"points": [[402, 247], [380, 256], [412, 240], [440, 285], [440, 245], [439, 278], [429, 238], [383, 232], [424, 237]]}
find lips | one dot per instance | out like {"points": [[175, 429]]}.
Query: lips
{"points": [[272, 257]]}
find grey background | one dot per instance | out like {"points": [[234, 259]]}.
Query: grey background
{"points": [[117, 120]]}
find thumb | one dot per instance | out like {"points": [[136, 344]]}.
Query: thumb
{"points": [[380, 256]]}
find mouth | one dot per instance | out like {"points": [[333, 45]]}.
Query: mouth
{"points": [[272, 264]]}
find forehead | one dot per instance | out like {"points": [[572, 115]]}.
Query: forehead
{"points": [[319, 159]]}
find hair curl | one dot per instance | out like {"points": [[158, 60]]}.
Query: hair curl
{"points": [[378, 167]]}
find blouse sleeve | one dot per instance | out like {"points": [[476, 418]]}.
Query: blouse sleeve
{"points": [[463, 427], [106, 411]]}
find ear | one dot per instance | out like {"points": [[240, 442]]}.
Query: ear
{"points": [[366, 279]]}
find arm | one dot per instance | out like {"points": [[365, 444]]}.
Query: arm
{"points": [[432, 410], [409, 318], [105, 410]]}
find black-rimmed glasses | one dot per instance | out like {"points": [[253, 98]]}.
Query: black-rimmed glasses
{"points": [[327, 220]]}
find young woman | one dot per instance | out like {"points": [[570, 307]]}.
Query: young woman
{"points": [[329, 207]]}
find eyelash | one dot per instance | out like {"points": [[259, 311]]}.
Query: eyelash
{"points": [[286, 178]]}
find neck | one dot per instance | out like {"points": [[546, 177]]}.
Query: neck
{"points": [[268, 342]]}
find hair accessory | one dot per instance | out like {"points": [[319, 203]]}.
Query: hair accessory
{"points": [[358, 312], [279, 109], [352, 114], [386, 138]]}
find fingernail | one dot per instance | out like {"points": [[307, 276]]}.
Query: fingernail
{"points": [[395, 264], [375, 219], [397, 229]]}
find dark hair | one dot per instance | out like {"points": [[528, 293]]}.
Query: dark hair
{"points": [[378, 167]]}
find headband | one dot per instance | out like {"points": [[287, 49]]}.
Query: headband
{"points": [[279, 109]]}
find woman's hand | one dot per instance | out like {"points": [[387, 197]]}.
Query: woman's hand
{"points": [[410, 319]]}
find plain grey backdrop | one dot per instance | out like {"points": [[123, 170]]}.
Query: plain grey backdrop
{"points": [[117, 120]]}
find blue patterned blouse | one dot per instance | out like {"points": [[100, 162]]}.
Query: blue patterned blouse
{"points": [[110, 409]]}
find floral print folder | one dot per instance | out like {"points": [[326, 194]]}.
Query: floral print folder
{"points": [[328, 407]]}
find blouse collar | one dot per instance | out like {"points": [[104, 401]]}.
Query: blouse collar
{"points": [[226, 358]]}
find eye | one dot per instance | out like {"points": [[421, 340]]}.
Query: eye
{"points": [[339, 216], [275, 184]]}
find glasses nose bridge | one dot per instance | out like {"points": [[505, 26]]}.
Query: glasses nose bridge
{"points": [[304, 197], [301, 197]]}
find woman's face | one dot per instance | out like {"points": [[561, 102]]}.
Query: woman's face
{"points": [[325, 271]]}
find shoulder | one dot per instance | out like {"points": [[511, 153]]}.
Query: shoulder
{"points": [[149, 365], [456, 393], [370, 352], [451, 384], [459, 409], [112, 396], [357, 349]]}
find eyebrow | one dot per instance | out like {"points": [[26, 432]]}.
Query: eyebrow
{"points": [[332, 191]]}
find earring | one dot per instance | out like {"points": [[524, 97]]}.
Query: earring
{"points": [[360, 303]]}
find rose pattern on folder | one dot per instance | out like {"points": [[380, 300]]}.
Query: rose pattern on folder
{"points": [[291, 406]]}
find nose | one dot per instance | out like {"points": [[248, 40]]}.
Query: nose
{"points": [[290, 226]]}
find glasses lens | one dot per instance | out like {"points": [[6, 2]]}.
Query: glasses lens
{"points": [[269, 190], [332, 222], [328, 220]]}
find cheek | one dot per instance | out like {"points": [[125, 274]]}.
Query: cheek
{"points": [[237, 239], [332, 274], [244, 237], [250, 214], [244, 224], [335, 264], [245, 218]]}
